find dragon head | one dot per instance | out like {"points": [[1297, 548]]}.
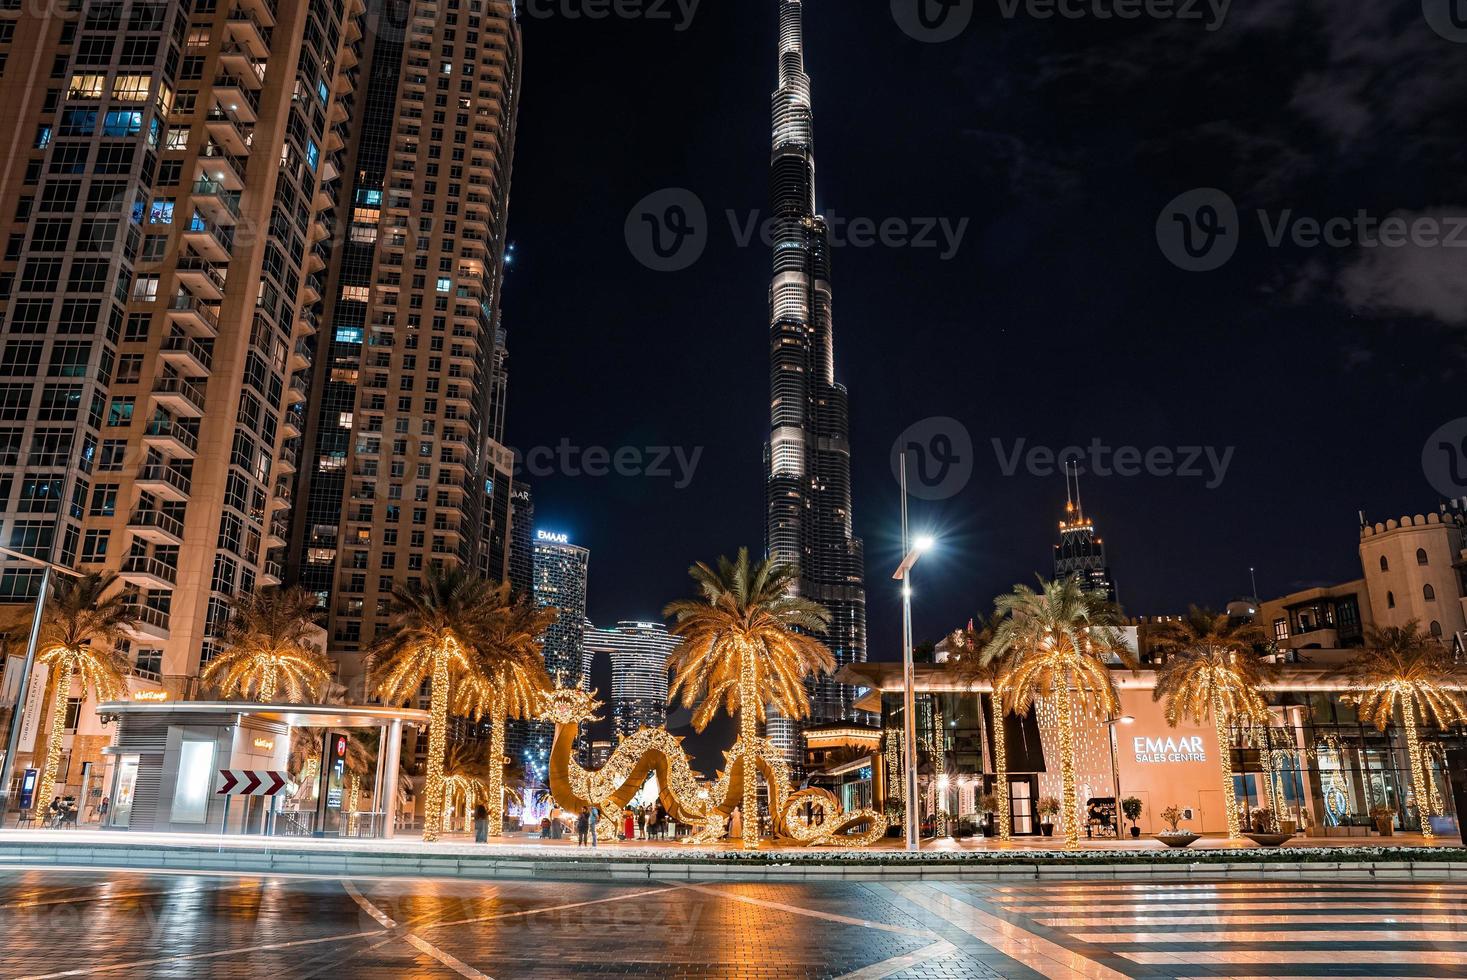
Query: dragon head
{"points": [[569, 706]]}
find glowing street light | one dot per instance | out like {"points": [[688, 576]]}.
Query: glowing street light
{"points": [[912, 551]]}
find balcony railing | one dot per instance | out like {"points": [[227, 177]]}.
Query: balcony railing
{"points": [[168, 475], [156, 519], [169, 429], [149, 566]]}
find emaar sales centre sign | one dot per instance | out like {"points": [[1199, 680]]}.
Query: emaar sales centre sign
{"points": [[1188, 748]]}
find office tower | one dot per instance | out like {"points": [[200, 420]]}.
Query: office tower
{"points": [[807, 457], [405, 468], [1080, 551], [169, 197], [521, 539], [638, 653]]}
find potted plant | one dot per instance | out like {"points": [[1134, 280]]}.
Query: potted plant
{"points": [[1049, 807], [1174, 836], [988, 806], [1384, 817], [1131, 807], [1260, 820]]}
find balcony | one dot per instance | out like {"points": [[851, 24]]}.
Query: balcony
{"points": [[234, 95], [210, 240], [156, 526], [248, 32], [187, 356], [149, 625], [293, 421], [193, 315], [165, 482], [264, 10], [148, 573], [238, 63], [300, 357], [172, 438], [216, 163], [180, 396], [229, 131], [202, 279], [295, 391], [214, 201], [286, 462], [272, 573], [277, 535]]}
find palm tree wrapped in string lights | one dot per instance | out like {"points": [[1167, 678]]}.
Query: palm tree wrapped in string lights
{"points": [[1212, 669], [269, 650], [1402, 667], [1059, 642], [974, 668], [746, 643]]}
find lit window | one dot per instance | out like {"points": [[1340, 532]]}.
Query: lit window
{"points": [[130, 88], [161, 213], [445, 284], [43, 137], [122, 122], [177, 139], [313, 154], [86, 86], [356, 294]]}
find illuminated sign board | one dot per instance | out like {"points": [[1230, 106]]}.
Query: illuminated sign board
{"points": [[265, 744], [1188, 748], [150, 695], [552, 537]]}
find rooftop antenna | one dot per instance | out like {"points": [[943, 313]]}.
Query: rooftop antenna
{"points": [[1079, 504], [1253, 577], [1069, 497]]}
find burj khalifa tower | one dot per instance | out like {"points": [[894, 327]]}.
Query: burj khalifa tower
{"points": [[808, 457]]}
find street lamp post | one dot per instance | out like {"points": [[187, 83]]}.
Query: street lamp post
{"points": [[1115, 768], [17, 716], [911, 551]]}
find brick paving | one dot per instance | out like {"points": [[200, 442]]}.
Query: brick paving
{"points": [[148, 924]]}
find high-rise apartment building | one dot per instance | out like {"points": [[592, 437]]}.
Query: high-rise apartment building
{"points": [[522, 539], [1080, 552], [405, 466], [638, 653], [807, 457], [168, 199]]}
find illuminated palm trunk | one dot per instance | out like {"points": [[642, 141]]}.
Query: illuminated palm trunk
{"points": [[437, 743], [1001, 766], [748, 738], [47, 788], [1225, 759], [267, 684], [1067, 762], [1418, 772], [496, 765], [308, 777]]}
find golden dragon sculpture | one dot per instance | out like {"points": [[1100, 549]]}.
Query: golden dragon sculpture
{"points": [[807, 816]]}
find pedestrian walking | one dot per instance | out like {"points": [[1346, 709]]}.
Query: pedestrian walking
{"points": [[593, 817], [736, 825], [629, 826], [481, 824], [102, 810]]}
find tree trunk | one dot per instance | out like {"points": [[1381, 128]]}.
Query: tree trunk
{"points": [[496, 766], [1418, 774], [437, 742], [1225, 758], [1071, 804], [1001, 767], [47, 788], [267, 685], [748, 738]]}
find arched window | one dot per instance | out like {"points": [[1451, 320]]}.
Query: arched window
{"points": [[1428, 593], [1436, 629], [1385, 566], [1390, 600], [1421, 557]]}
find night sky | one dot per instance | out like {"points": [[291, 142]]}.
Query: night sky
{"points": [[1058, 321]]}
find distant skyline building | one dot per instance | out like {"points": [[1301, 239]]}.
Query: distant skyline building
{"points": [[522, 539], [807, 456], [1081, 551], [559, 580], [638, 653]]}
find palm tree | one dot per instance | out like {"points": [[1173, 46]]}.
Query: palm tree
{"points": [[508, 682], [973, 668], [1211, 669], [269, 648], [747, 643], [79, 635], [1057, 643], [1403, 667], [433, 630]]}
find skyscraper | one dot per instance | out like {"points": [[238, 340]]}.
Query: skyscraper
{"points": [[807, 457], [522, 539], [560, 572], [405, 466], [1080, 551], [638, 653], [169, 208]]}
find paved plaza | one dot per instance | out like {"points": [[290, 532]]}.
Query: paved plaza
{"points": [[61, 923]]}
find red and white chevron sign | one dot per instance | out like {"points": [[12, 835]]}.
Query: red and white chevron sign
{"points": [[248, 782]]}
